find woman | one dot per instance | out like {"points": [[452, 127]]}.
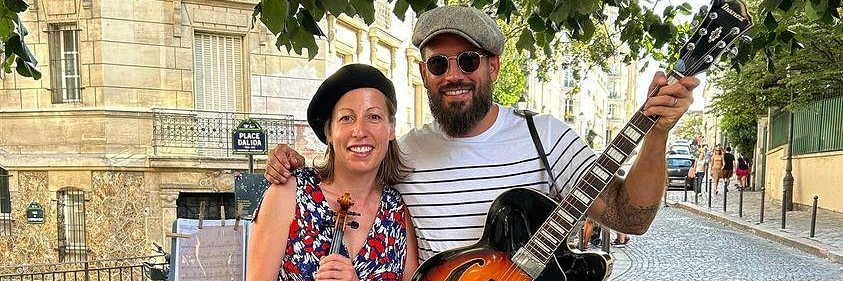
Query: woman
{"points": [[717, 167], [353, 112], [742, 171], [699, 169]]}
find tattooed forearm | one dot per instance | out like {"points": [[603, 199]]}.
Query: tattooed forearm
{"points": [[623, 216]]}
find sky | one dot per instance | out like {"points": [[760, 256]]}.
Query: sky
{"points": [[645, 77]]}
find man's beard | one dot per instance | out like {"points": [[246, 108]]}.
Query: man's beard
{"points": [[455, 120]]}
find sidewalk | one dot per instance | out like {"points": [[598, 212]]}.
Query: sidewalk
{"points": [[828, 235]]}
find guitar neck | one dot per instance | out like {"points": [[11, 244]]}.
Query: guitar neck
{"points": [[574, 205]]}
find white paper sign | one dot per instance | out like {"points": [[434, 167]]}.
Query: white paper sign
{"points": [[214, 253]]}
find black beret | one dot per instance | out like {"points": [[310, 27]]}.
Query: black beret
{"points": [[347, 78]]}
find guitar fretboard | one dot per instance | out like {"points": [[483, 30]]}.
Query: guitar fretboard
{"points": [[574, 205]]}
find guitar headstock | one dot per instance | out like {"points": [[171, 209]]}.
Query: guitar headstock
{"points": [[720, 26]]}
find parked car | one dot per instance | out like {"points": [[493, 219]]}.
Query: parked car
{"points": [[677, 170], [680, 149]]}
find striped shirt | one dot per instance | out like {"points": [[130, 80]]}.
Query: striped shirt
{"points": [[456, 179]]}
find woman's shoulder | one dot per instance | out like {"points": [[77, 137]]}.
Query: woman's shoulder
{"points": [[307, 175], [392, 198]]}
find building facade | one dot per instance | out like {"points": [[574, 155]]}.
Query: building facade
{"points": [[130, 126], [597, 105]]}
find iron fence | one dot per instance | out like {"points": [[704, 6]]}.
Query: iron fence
{"points": [[137, 268], [208, 133], [817, 127]]}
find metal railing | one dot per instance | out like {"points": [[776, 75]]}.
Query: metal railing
{"points": [[208, 133], [115, 269]]}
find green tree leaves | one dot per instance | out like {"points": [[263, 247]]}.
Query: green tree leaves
{"points": [[12, 32], [691, 127], [770, 80], [776, 35]]}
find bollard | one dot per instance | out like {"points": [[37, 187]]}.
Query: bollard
{"points": [[709, 193], [740, 203], [685, 195], [784, 208], [814, 216], [708, 186], [762, 206], [725, 192], [705, 176], [606, 236]]}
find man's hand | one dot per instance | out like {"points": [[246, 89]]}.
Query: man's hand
{"points": [[335, 267], [281, 160], [671, 102]]}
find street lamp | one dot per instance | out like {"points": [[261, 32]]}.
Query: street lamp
{"points": [[521, 103], [787, 182]]}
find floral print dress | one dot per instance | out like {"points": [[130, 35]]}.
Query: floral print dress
{"points": [[310, 234]]}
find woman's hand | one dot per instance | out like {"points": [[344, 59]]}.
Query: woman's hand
{"points": [[335, 267]]}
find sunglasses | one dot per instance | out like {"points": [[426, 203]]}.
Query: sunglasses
{"points": [[467, 61]]}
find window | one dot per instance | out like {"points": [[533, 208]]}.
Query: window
{"points": [[211, 206], [569, 109], [5, 204], [612, 111], [613, 90], [218, 72], [569, 80], [614, 69], [70, 211], [383, 14], [64, 63]]}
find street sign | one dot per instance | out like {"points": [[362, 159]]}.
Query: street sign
{"points": [[35, 213], [249, 138]]}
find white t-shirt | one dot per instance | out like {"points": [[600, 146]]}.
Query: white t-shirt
{"points": [[456, 179]]}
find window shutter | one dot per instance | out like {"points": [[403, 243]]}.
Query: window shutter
{"points": [[218, 73]]}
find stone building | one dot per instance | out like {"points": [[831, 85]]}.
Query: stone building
{"points": [[130, 126]]}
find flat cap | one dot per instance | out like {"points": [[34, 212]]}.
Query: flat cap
{"points": [[471, 23], [347, 78]]}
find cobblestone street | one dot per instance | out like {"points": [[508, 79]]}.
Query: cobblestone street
{"points": [[683, 246]]}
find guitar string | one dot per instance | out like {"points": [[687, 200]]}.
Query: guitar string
{"points": [[512, 269]]}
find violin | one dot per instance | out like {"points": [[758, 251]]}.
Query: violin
{"points": [[342, 221]]}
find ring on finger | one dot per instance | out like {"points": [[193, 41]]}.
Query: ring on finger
{"points": [[675, 101]]}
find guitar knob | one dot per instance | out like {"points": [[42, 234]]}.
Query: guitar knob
{"points": [[353, 225]]}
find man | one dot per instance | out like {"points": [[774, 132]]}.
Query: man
{"points": [[728, 167], [476, 149]]}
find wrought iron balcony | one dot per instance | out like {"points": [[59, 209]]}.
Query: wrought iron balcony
{"points": [[208, 133]]}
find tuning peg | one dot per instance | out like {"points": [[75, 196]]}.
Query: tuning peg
{"points": [[712, 15], [353, 225], [704, 9], [694, 24], [721, 44], [734, 50], [709, 59], [735, 30], [690, 46], [703, 32], [746, 39]]}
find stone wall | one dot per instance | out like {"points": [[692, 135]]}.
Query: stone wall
{"points": [[30, 243], [122, 215]]}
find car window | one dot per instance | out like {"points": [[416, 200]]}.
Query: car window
{"points": [[674, 162]]}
